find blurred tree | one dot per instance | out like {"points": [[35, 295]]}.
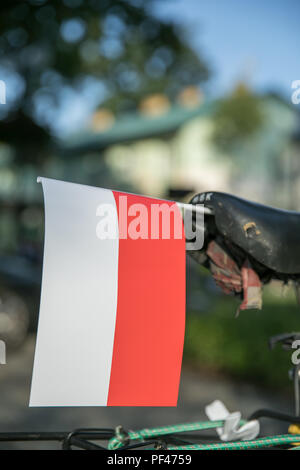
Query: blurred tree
{"points": [[48, 47], [236, 118]]}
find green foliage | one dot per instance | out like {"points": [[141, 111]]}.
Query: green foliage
{"points": [[237, 118], [239, 346]]}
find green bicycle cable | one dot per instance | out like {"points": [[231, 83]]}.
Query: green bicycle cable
{"points": [[118, 440], [122, 438], [243, 445]]}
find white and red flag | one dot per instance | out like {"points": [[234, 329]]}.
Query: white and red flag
{"points": [[112, 312]]}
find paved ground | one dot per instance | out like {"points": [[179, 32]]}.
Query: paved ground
{"points": [[195, 392]]}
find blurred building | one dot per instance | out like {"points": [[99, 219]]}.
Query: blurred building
{"points": [[163, 150], [166, 150]]}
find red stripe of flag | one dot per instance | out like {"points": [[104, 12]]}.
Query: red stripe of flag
{"points": [[150, 322]]}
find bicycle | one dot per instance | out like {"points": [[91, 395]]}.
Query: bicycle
{"points": [[241, 238]]}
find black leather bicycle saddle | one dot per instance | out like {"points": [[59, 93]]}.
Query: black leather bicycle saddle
{"points": [[271, 236]]}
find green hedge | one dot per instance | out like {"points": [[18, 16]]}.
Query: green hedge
{"points": [[218, 341]]}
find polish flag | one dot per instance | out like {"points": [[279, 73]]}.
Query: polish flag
{"points": [[112, 311]]}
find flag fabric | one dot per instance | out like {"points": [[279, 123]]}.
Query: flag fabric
{"points": [[112, 310]]}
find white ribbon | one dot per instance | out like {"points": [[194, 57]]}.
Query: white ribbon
{"points": [[231, 431]]}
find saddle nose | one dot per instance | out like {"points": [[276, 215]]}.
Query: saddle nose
{"points": [[271, 236]]}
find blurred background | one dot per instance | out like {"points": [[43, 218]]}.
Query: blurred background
{"points": [[164, 98]]}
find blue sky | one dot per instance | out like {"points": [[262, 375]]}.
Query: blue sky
{"points": [[242, 39], [250, 40]]}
